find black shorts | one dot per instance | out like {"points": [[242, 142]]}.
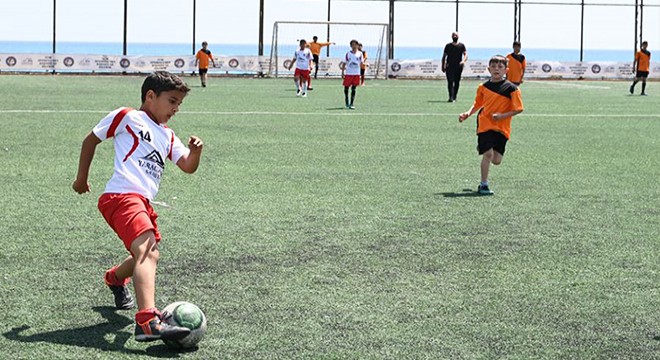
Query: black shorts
{"points": [[315, 59], [203, 71], [491, 140], [642, 74]]}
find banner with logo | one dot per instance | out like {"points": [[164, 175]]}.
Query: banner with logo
{"points": [[118, 63], [535, 69], [327, 66]]}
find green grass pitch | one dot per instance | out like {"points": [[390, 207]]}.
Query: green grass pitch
{"points": [[315, 232]]}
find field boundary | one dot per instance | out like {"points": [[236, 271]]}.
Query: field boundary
{"points": [[334, 113]]}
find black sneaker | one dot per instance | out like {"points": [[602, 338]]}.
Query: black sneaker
{"points": [[310, 89], [484, 190], [632, 89], [643, 94], [155, 329], [123, 297]]}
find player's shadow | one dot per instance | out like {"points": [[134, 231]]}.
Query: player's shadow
{"points": [[464, 193], [94, 336], [336, 108]]}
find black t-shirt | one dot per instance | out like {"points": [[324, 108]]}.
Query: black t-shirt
{"points": [[454, 54]]}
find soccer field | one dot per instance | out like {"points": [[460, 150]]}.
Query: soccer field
{"points": [[315, 232]]}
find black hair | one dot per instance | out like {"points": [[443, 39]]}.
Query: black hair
{"points": [[161, 81], [516, 43], [498, 59]]}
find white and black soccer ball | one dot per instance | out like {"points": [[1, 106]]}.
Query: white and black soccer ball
{"points": [[185, 314]]}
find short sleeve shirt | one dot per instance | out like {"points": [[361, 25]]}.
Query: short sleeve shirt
{"points": [[303, 57], [454, 54], [354, 63], [496, 97], [141, 147]]}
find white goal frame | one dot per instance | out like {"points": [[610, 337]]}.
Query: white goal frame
{"points": [[382, 70]]}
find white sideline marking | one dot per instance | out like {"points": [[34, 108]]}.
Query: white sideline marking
{"points": [[573, 85], [338, 113]]}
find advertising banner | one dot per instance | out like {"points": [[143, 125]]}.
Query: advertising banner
{"points": [[327, 66]]}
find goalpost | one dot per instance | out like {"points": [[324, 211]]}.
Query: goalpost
{"points": [[287, 35]]}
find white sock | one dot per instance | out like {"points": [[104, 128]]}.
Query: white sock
{"points": [[484, 183]]}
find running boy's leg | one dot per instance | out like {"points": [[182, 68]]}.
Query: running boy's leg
{"points": [[644, 86], [145, 251], [352, 96], [632, 87], [316, 67], [296, 80], [486, 160], [125, 269], [346, 96], [149, 326], [117, 279]]}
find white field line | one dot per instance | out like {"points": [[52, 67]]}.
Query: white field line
{"points": [[337, 113], [572, 85]]}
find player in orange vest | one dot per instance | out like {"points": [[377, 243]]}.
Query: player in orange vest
{"points": [[641, 64], [363, 66], [202, 58], [517, 65], [315, 47]]}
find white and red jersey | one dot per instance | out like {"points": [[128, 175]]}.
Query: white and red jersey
{"points": [[354, 61], [303, 57], [141, 148]]}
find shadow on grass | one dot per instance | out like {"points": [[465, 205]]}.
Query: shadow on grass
{"points": [[439, 102], [464, 193], [336, 108], [94, 336]]}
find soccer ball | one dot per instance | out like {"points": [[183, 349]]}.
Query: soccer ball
{"points": [[188, 315]]}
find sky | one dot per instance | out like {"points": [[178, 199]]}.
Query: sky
{"points": [[416, 24]]}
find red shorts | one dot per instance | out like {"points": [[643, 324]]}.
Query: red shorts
{"points": [[351, 80], [129, 215], [302, 73]]}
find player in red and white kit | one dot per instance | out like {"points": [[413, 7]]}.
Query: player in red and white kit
{"points": [[351, 72], [142, 144], [303, 60]]}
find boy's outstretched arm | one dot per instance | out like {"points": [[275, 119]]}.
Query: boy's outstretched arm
{"points": [[189, 163], [80, 185]]}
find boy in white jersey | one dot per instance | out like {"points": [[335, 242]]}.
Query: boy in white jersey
{"points": [[351, 72], [142, 143], [303, 59]]}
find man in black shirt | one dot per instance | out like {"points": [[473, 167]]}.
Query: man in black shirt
{"points": [[453, 60]]}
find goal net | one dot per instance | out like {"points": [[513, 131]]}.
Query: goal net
{"points": [[287, 36]]}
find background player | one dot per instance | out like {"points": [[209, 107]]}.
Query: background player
{"points": [[351, 72], [641, 64], [303, 59], [142, 143], [453, 59], [517, 65], [202, 58], [315, 47], [497, 101], [363, 67]]}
